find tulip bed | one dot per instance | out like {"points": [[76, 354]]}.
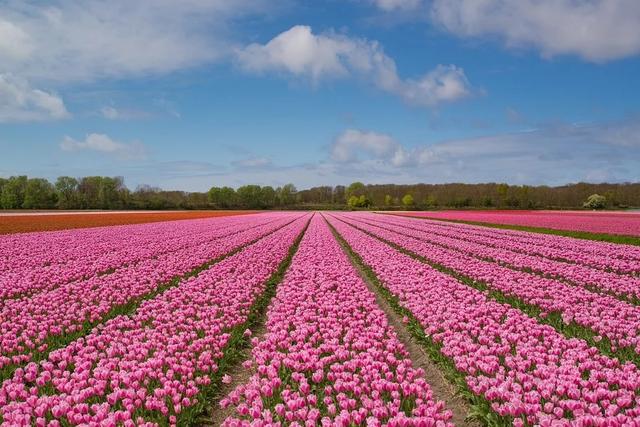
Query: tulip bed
{"points": [[624, 259], [593, 222], [31, 326], [31, 263], [525, 371], [593, 316], [329, 356], [152, 366]]}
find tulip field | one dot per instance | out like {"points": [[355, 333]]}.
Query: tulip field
{"points": [[317, 319], [616, 223]]}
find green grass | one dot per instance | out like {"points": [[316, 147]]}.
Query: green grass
{"points": [[584, 235]]}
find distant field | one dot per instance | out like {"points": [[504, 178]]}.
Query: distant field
{"points": [[18, 222], [620, 223]]}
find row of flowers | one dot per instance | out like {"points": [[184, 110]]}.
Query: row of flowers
{"points": [[622, 285], [35, 324], [608, 317], [53, 247], [149, 367], [598, 222], [623, 259], [329, 356], [527, 371], [81, 255]]}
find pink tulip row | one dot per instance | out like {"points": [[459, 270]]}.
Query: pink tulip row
{"points": [[602, 255], [594, 222], [527, 371], [624, 286], [27, 323], [592, 247], [603, 314], [59, 247], [329, 356], [148, 367], [129, 250]]}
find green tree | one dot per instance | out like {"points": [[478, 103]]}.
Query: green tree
{"points": [[268, 197], [388, 200], [12, 196], [595, 201], [364, 201], [249, 196], [3, 181], [39, 194], [287, 195], [355, 189], [67, 189], [407, 200], [430, 202], [222, 197]]}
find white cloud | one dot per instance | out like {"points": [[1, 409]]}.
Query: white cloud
{"points": [[253, 162], [351, 143], [357, 145], [596, 30], [21, 102], [392, 5], [113, 113], [74, 40], [104, 144], [553, 154], [110, 113], [301, 53]]}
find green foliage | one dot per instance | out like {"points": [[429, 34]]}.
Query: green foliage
{"points": [[287, 195], [67, 189], [97, 192], [430, 202], [595, 201], [356, 189], [222, 197], [13, 191], [249, 196], [461, 202], [407, 200], [359, 202], [39, 194]]}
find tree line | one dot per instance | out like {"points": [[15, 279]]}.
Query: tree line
{"points": [[100, 192]]}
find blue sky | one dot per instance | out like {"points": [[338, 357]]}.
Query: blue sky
{"points": [[187, 95]]}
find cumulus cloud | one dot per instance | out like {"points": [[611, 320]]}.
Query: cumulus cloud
{"points": [[553, 154], [21, 102], [104, 144], [74, 40], [392, 5], [352, 142], [252, 163], [596, 30], [356, 145], [301, 53], [110, 113]]}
